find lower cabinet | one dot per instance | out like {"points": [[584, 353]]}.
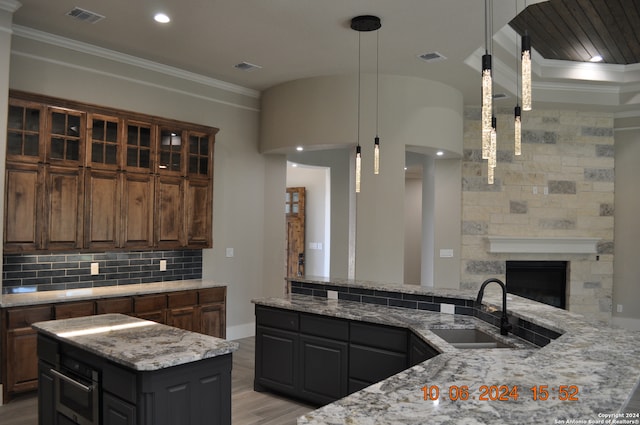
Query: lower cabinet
{"points": [[116, 411], [321, 359]]}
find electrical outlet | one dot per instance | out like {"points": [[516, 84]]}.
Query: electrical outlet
{"points": [[163, 265], [332, 295], [95, 268], [619, 309], [229, 252]]}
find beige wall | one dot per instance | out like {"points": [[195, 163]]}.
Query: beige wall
{"points": [[247, 214], [626, 270], [321, 112], [571, 154]]}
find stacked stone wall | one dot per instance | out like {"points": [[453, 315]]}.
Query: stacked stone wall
{"points": [[561, 186]]}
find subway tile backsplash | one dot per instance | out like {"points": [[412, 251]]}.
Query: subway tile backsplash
{"points": [[48, 272], [524, 329]]}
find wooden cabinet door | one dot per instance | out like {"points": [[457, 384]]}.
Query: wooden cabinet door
{"points": [[277, 360], [199, 218], [104, 149], [213, 320], [74, 309], [150, 307], [25, 131], [63, 208], [22, 360], [137, 210], [102, 210], [23, 207], [123, 305], [169, 212]]}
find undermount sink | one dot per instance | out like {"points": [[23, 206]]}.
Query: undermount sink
{"points": [[469, 338]]}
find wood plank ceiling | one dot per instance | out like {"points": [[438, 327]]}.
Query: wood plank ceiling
{"points": [[577, 30]]}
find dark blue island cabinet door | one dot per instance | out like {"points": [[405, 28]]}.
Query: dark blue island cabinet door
{"points": [[197, 393]]}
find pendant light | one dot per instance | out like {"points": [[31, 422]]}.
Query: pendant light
{"points": [[487, 87], [517, 111], [525, 46], [493, 140], [364, 23]]}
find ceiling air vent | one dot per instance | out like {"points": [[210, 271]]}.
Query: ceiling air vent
{"points": [[498, 96], [432, 57], [246, 66], [85, 15]]}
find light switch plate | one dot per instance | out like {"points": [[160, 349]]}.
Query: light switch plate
{"points": [[95, 268], [229, 252], [163, 265]]}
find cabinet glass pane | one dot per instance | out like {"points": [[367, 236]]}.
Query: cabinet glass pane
{"points": [[204, 166], [15, 119], [112, 132], [31, 144], [57, 148], [145, 156], [287, 197], [132, 157], [96, 153], [295, 196], [32, 117], [145, 137], [73, 150], [295, 208], [98, 130], [287, 208], [193, 165], [14, 143], [58, 123], [111, 154], [74, 126], [193, 145], [132, 135], [204, 146]]}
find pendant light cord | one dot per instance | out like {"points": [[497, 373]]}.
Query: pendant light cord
{"points": [[377, 77], [359, 60], [517, 59]]}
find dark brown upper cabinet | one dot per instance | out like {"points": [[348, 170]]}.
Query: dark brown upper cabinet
{"points": [[84, 177]]}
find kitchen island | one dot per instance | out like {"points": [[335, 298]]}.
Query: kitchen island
{"points": [[145, 372], [577, 371]]}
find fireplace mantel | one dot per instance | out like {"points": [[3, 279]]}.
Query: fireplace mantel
{"points": [[542, 245]]}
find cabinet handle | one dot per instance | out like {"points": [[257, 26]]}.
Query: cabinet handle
{"points": [[71, 381]]}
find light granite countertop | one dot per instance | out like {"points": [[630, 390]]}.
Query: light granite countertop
{"points": [[46, 297], [601, 363], [138, 344]]}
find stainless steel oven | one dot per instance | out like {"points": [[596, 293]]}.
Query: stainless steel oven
{"points": [[77, 392]]}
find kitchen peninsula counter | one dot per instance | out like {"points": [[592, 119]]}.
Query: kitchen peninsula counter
{"points": [[596, 365]]}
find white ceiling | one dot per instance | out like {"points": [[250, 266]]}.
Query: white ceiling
{"points": [[293, 39]]}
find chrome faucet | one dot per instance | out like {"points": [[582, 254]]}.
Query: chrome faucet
{"points": [[505, 326]]}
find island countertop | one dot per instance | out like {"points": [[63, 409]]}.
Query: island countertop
{"points": [[138, 344], [79, 294], [595, 364]]}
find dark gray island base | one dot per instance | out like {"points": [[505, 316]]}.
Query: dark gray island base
{"points": [[118, 370]]}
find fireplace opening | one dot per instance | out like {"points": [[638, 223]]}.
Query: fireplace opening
{"points": [[543, 281]]}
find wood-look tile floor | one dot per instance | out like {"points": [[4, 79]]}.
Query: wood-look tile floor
{"points": [[248, 407]]}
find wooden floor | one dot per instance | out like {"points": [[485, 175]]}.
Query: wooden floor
{"points": [[248, 407]]}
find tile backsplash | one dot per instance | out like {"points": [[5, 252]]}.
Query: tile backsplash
{"points": [[48, 272]]}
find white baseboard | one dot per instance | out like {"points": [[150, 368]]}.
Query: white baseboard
{"points": [[626, 322], [241, 331]]}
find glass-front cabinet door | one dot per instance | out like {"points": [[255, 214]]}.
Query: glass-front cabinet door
{"points": [[66, 136], [104, 137], [170, 148], [139, 146], [25, 124], [199, 155]]}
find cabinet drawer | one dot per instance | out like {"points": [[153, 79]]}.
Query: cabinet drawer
{"points": [[373, 365], [22, 317], [380, 336], [276, 318], [182, 299], [114, 305], [147, 303], [328, 327], [212, 295], [79, 309], [118, 380]]}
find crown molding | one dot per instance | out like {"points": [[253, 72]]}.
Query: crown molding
{"points": [[10, 5], [103, 53]]}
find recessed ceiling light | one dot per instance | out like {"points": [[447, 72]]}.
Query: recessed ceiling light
{"points": [[596, 58], [294, 165], [162, 18], [439, 153], [299, 148]]}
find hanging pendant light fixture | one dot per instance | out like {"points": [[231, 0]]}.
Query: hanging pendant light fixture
{"points": [[364, 23], [493, 140], [376, 141], [525, 46], [487, 87], [517, 111]]}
